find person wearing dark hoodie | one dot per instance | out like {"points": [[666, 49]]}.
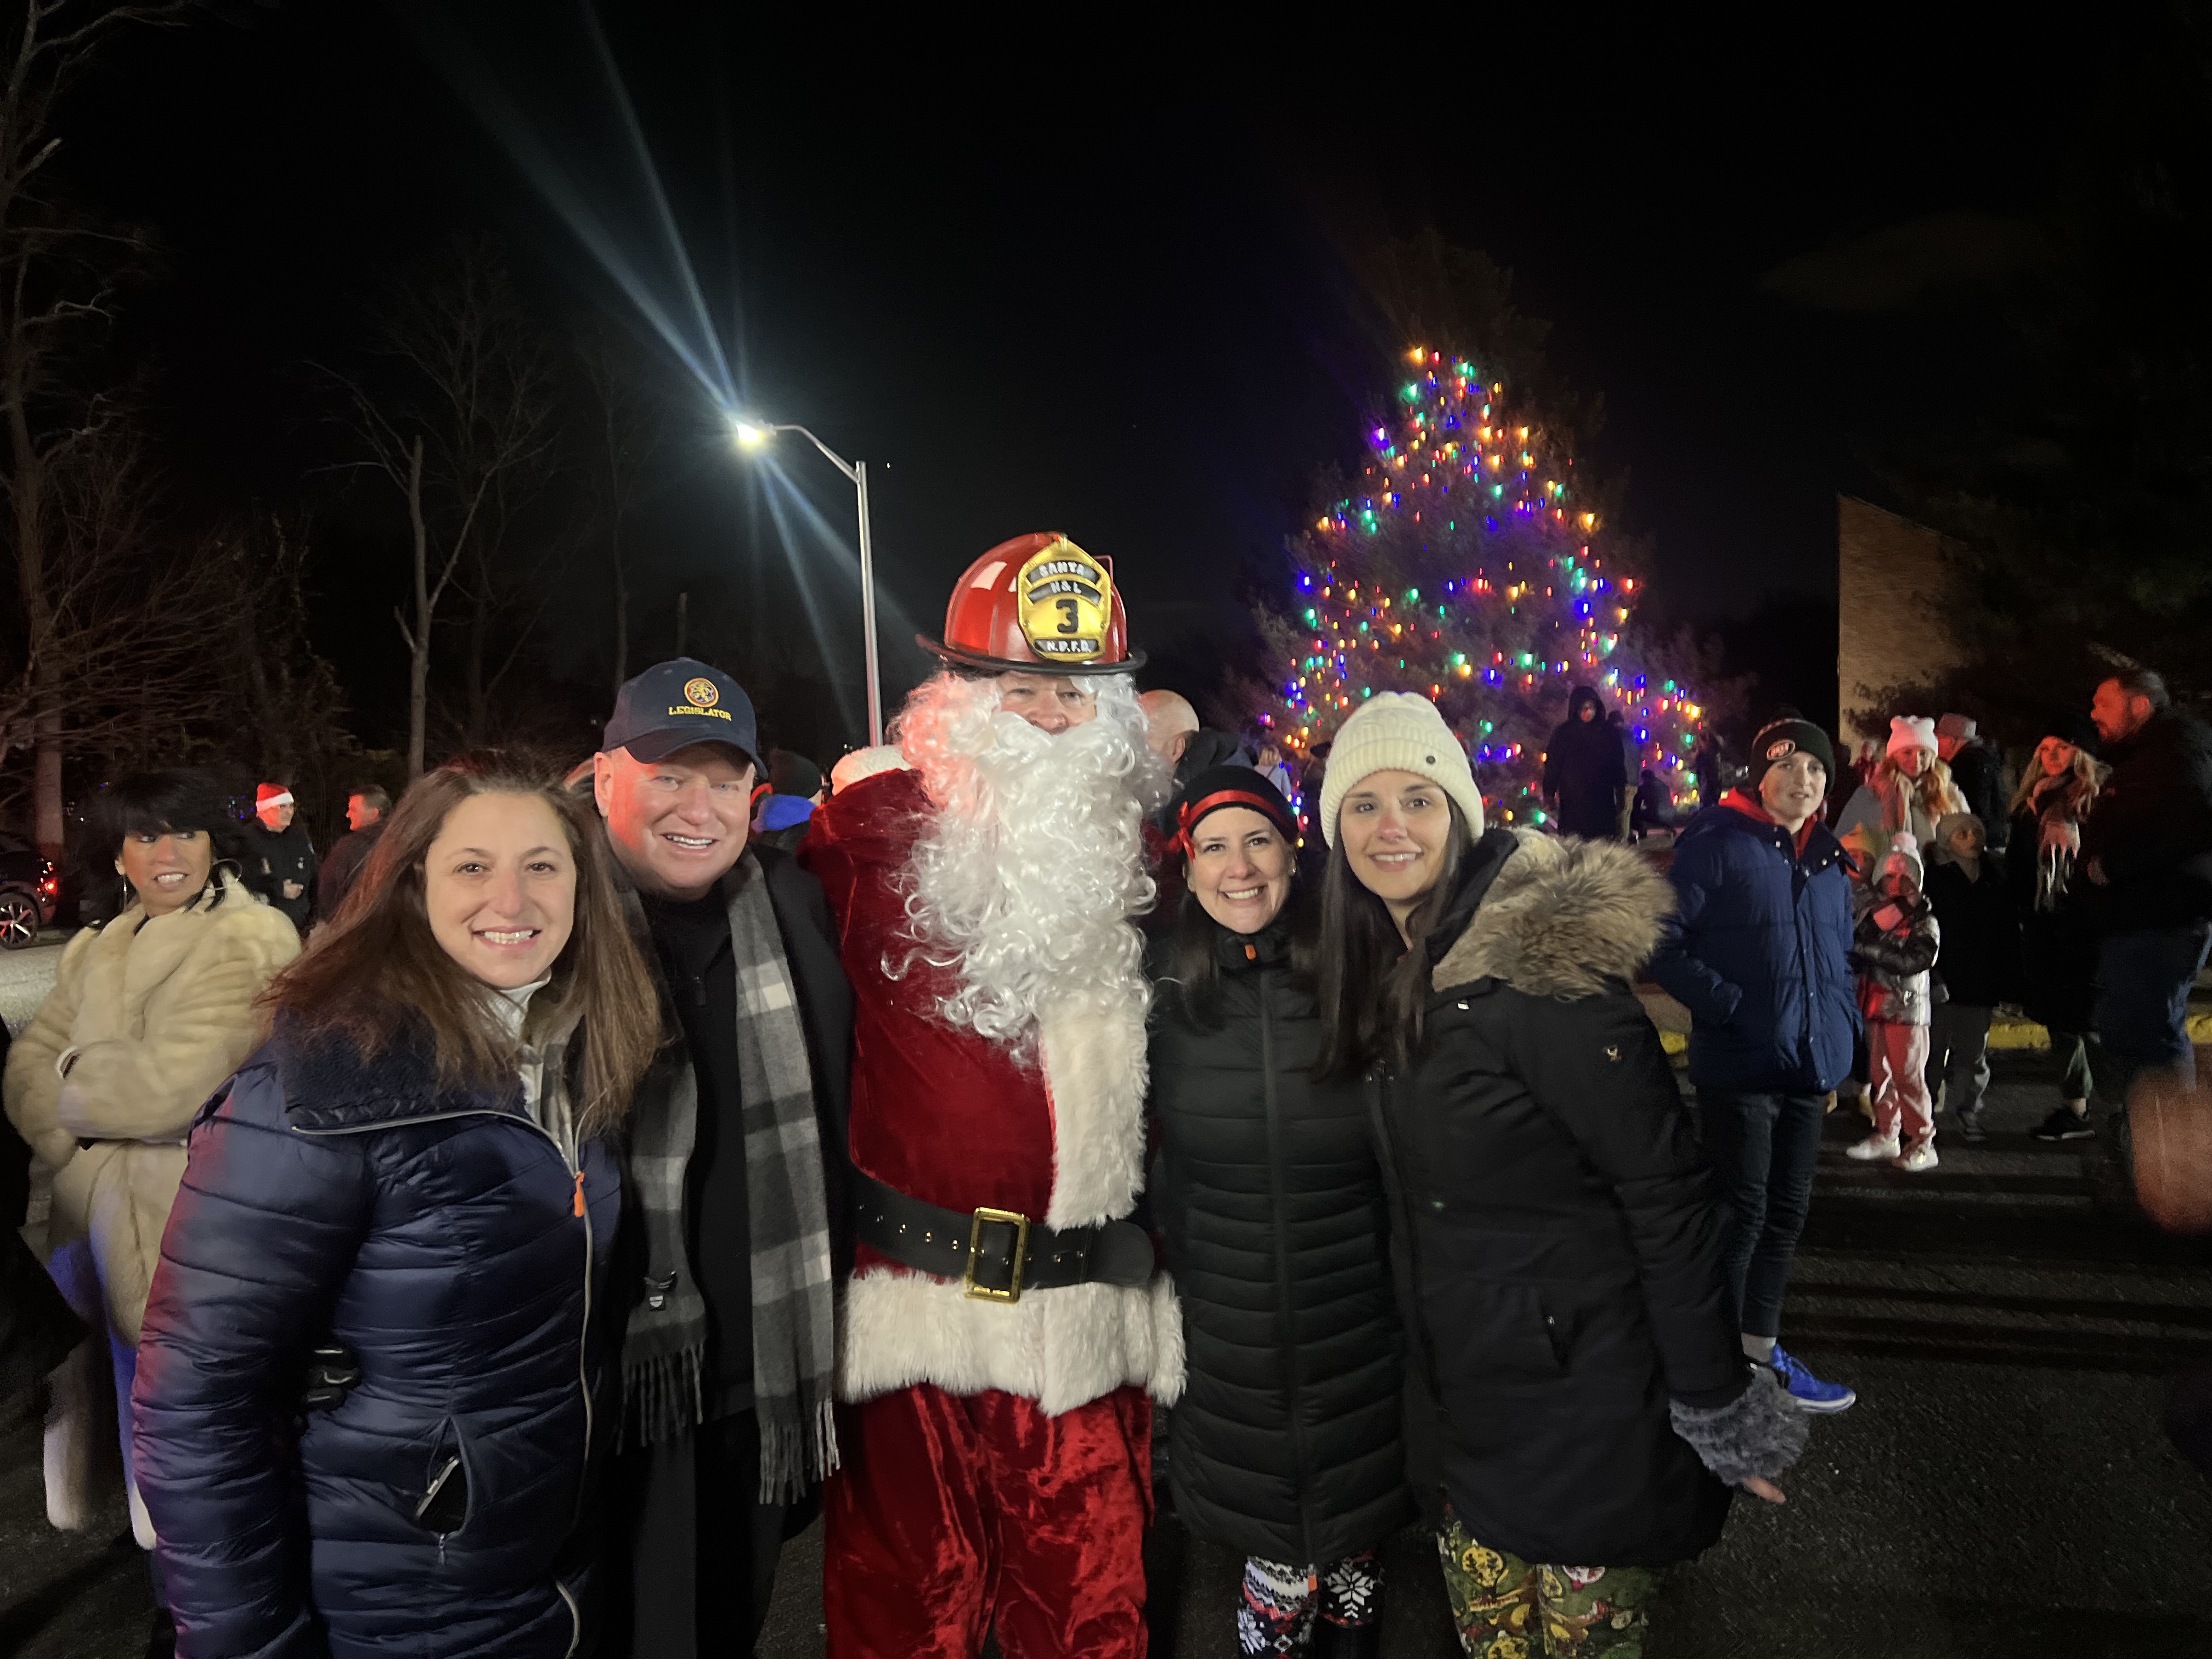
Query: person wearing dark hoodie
{"points": [[1759, 950], [1585, 772]]}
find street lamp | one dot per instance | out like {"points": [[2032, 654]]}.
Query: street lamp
{"points": [[752, 435]]}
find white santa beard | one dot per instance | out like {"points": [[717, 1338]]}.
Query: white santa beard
{"points": [[1032, 864]]}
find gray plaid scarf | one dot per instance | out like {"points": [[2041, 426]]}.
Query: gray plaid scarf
{"points": [[794, 1310]]}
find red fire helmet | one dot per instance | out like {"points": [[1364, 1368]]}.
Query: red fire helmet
{"points": [[1038, 604]]}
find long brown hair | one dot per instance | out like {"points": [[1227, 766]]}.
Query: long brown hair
{"points": [[1374, 989], [377, 969], [2080, 781]]}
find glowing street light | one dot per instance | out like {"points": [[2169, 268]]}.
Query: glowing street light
{"points": [[752, 435]]}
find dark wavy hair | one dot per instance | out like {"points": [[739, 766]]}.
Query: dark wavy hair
{"points": [[1374, 989], [377, 971]]}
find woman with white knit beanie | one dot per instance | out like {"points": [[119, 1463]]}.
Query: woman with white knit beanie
{"points": [[1572, 1346], [1910, 789]]}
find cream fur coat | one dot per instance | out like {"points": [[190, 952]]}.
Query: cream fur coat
{"points": [[158, 1012]]}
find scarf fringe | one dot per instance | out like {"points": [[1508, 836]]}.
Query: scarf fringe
{"points": [[662, 1397], [798, 1453]]}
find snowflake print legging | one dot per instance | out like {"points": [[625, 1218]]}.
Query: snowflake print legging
{"points": [[1507, 1608], [1279, 1603]]}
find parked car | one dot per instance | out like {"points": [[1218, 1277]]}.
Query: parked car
{"points": [[29, 890]]}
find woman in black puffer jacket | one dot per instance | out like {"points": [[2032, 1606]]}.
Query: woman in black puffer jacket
{"points": [[1285, 1443]]}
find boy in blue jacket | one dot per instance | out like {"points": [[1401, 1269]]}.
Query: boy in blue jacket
{"points": [[1759, 950]]}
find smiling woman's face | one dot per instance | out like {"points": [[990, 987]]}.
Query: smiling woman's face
{"points": [[169, 870], [1240, 868], [1396, 828], [500, 885]]}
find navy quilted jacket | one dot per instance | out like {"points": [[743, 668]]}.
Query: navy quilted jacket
{"points": [[442, 1237], [1759, 950]]}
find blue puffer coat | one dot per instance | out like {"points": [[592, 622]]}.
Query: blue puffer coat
{"points": [[1759, 950], [443, 1238]]}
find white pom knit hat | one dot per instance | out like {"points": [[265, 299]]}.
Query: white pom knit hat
{"points": [[1398, 731], [1911, 732]]}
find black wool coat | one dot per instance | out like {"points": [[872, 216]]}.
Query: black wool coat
{"points": [[1558, 1241], [1286, 1443], [1979, 962]]}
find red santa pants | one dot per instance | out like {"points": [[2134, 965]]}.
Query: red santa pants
{"points": [[953, 1512]]}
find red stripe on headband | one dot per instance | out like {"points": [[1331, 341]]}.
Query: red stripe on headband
{"points": [[1190, 812]]}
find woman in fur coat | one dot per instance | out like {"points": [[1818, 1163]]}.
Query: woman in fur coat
{"points": [[1580, 1406], [147, 1016]]}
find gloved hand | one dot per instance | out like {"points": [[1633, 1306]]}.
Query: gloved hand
{"points": [[1755, 1436], [333, 1373]]}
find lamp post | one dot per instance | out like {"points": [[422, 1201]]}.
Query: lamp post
{"points": [[750, 434]]}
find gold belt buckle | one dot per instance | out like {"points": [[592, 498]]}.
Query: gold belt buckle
{"points": [[1020, 1224]]}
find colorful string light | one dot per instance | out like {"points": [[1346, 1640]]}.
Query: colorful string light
{"points": [[1466, 550]]}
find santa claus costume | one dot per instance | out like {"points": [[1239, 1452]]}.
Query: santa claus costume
{"points": [[1006, 1321]]}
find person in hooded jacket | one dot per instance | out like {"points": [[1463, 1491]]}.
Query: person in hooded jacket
{"points": [[1579, 1407], [147, 1014], [1586, 770], [1759, 950], [1285, 1443], [406, 1195]]}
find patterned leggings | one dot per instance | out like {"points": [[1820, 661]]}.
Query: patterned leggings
{"points": [[1507, 1608], [1276, 1612]]}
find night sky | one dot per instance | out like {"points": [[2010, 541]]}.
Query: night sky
{"points": [[1109, 291]]}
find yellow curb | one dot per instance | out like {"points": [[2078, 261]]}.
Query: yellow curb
{"points": [[2004, 1033]]}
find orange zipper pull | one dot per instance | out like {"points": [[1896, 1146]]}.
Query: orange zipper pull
{"points": [[580, 1192]]}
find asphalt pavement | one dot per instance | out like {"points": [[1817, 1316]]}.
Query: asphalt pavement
{"points": [[2002, 1487]]}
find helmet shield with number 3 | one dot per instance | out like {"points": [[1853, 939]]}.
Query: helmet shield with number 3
{"points": [[1038, 604]]}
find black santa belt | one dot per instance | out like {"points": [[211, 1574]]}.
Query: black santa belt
{"points": [[998, 1254]]}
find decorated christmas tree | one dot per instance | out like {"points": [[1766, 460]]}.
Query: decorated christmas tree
{"points": [[1465, 564]]}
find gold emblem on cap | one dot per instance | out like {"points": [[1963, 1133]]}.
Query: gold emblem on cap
{"points": [[1065, 599], [701, 693]]}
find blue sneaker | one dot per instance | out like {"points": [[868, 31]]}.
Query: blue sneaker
{"points": [[1810, 1393]]}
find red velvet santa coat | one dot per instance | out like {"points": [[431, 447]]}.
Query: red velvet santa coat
{"points": [[946, 1115]]}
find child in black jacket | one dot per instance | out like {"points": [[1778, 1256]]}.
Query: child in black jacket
{"points": [[1979, 970]]}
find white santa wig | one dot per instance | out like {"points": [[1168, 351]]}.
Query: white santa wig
{"points": [[1028, 874]]}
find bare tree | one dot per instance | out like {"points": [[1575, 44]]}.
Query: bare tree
{"points": [[119, 647], [630, 433], [58, 276], [462, 419]]}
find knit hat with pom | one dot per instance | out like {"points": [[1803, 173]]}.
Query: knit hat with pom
{"points": [[1904, 855], [1398, 732], [1911, 732]]}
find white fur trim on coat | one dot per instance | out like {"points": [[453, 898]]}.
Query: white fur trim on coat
{"points": [[1062, 1347], [1094, 1075]]}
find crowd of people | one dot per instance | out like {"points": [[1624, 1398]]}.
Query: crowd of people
{"points": [[499, 1239]]}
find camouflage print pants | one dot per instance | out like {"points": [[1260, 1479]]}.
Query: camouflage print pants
{"points": [[1507, 1608]]}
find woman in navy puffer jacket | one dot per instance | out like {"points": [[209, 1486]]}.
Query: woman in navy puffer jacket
{"points": [[412, 1175]]}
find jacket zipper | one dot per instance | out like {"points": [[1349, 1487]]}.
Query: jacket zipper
{"points": [[583, 1335], [1283, 1271]]}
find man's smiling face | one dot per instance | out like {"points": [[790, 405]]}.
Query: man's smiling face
{"points": [[677, 824]]}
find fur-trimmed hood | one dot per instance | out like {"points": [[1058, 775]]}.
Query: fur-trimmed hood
{"points": [[1561, 918]]}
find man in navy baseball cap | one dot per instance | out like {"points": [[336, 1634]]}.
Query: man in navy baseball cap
{"points": [[729, 1318], [673, 705]]}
